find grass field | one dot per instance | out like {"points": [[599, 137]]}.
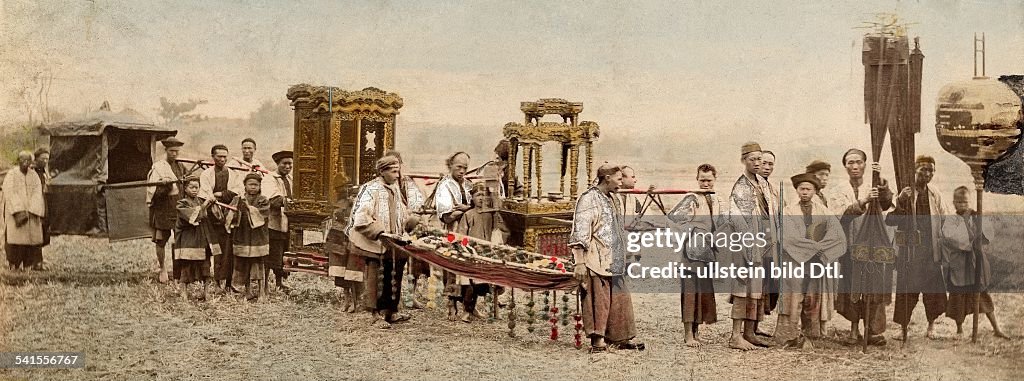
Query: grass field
{"points": [[99, 299]]}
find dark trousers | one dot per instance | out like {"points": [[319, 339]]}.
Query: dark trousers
{"points": [[384, 295], [278, 245], [470, 295], [224, 264], [934, 306], [23, 256]]}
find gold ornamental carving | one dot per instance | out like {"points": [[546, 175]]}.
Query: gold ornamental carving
{"points": [[538, 208], [531, 236], [553, 132]]}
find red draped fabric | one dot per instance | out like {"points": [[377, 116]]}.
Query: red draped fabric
{"points": [[494, 273]]}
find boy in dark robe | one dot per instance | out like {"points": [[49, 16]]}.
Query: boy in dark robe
{"points": [[192, 243], [250, 237]]}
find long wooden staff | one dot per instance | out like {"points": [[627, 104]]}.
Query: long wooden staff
{"points": [[979, 238]]}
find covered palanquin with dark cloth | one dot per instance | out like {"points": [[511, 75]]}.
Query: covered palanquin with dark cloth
{"points": [[96, 165]]}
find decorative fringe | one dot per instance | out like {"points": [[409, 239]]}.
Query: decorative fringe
{"points": [[512, 313]]}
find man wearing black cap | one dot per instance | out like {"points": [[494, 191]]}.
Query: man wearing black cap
{"points": [[771, 285], [821, 170], [749, 212], [163, 198], [919, 270], [277, 187], [812, 236]]}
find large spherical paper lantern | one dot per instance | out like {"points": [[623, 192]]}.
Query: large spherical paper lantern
{"points": [[978, 121]]}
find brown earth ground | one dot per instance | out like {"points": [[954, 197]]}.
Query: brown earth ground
{"points": [[99, 299]]}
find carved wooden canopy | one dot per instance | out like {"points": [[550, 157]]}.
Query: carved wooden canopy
{"points": [[564, 133], [370, 99], [338, 136], [551, 106]]}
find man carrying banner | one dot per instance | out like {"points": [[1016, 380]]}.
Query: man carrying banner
{"points": [[851, 200], [920, 275]]}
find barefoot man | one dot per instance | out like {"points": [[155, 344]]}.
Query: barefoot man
{"points": [[862, 282], [698, 213], [919, 271], [749, 212], [163, 199], [963, 287]]}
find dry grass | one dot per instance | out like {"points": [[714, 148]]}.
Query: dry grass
{"points": [[99, 299]]}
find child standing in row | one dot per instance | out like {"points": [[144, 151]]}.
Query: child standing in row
{"points": [[251, 237], [191, 244]]}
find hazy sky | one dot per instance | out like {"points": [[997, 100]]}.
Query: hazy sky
{"points": [[785, 73]]}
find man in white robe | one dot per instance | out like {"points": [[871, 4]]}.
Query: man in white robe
{"points": [[24, 210]]}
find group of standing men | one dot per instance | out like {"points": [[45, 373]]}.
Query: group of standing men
{"points": [[390, 205], [824, 226], [233, 211], [23, 206], [820, 227]]}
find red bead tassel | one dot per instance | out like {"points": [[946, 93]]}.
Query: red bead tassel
{"points": [[554, 323]]}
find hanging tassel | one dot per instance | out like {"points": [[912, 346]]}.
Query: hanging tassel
{"points": [[547, 306], [512, 313], [380, 282], [554, 318], [530, 314], [495, 305], [394, 278]]}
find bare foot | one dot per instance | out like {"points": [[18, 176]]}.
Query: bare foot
{"points": [[738, 342], [465, 317], [855, 336], [1001, 335], [163, 277], [931, 331], [755, 341], [693, 343]]}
